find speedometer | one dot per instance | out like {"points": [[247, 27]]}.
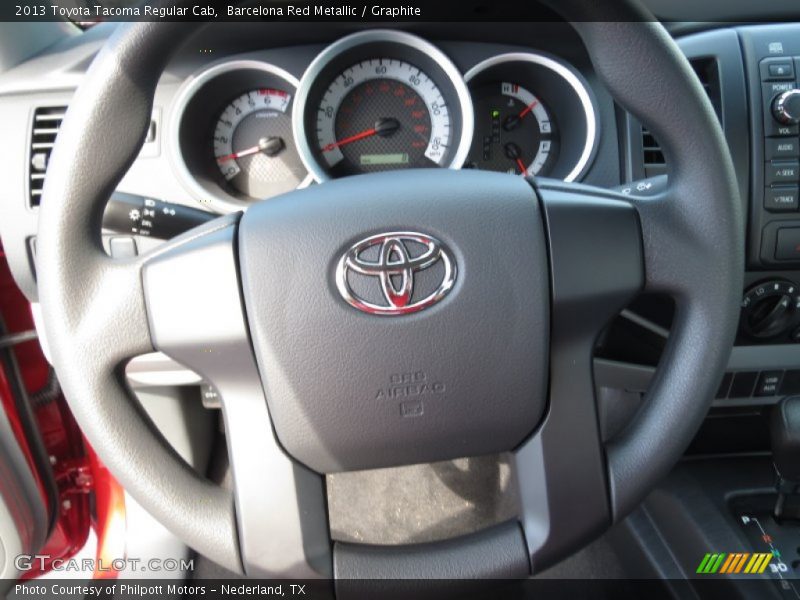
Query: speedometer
{"points": [[382, 114], [381, 100]]}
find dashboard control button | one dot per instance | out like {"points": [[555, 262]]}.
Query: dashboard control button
{"points": [[769, 382], [770, 91], [770, 308], [138, 215], [783, 171], [781, 71], [780, 148], [743, 384], [782, 198], [788, 244], [786, 107], [777, 68], [774, 129]]}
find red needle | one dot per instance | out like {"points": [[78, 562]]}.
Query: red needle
{"points": [[528, 109], [235, 155], [270, 146], [352, 138], [521, 165]]}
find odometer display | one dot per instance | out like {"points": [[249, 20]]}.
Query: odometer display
{"points": [[382, 114]]}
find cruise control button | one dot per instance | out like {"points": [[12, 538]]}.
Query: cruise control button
{"points": [[782, 199], [788, 245], [778, 148], [785, 171]]}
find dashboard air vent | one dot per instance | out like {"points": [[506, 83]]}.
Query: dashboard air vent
{"points": [[654, 163], [707, 72], [46, 122]]}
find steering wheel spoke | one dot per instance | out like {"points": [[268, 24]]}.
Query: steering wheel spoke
{"points": [[196, 317], [596, 264]]}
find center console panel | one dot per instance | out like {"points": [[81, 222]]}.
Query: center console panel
{"points": [[717, 507], [771, 55]]}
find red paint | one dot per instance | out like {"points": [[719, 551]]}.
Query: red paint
{"points": [[76, 469], [64, 442], [110, 523]]}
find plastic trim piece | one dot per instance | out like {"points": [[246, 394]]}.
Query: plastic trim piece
{"points": [[280, 505], [495, 553]]}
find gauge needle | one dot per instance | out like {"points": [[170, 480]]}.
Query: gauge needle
{"points": [[512, 121], [528, 109], [269, 146], [514, 153], [383, 127]]}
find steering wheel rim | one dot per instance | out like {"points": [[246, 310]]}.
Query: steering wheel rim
{"points": [[687, 242]]}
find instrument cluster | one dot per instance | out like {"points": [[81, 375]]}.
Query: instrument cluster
{"points": [[376, 100]]}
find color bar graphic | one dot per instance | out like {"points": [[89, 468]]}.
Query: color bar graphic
{"points": [[734, 562]]}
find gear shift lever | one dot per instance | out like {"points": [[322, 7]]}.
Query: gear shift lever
{"points": [[785, 435]]}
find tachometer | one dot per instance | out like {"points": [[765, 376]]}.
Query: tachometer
{"points": [[231, 138], [381, 100], [253, 144]]}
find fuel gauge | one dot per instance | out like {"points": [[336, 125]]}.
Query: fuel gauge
{"points": [[514, 131]]}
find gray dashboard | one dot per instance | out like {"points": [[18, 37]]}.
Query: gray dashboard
{"points": [[49, 79], [623, 151]]}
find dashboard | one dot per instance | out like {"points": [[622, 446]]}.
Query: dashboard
{"points": [[244, 130], [248, 111]]}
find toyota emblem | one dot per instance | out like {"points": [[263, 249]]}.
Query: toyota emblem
{"points": [[395, 273]]}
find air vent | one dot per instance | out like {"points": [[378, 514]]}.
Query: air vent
{"points": [[46, 122], [654, 163], [707, 72]]}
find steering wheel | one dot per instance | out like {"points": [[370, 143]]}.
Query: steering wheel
{"points": [[499, 361]]}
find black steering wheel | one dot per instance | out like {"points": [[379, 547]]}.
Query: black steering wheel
{"points": [[254, 303]]}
